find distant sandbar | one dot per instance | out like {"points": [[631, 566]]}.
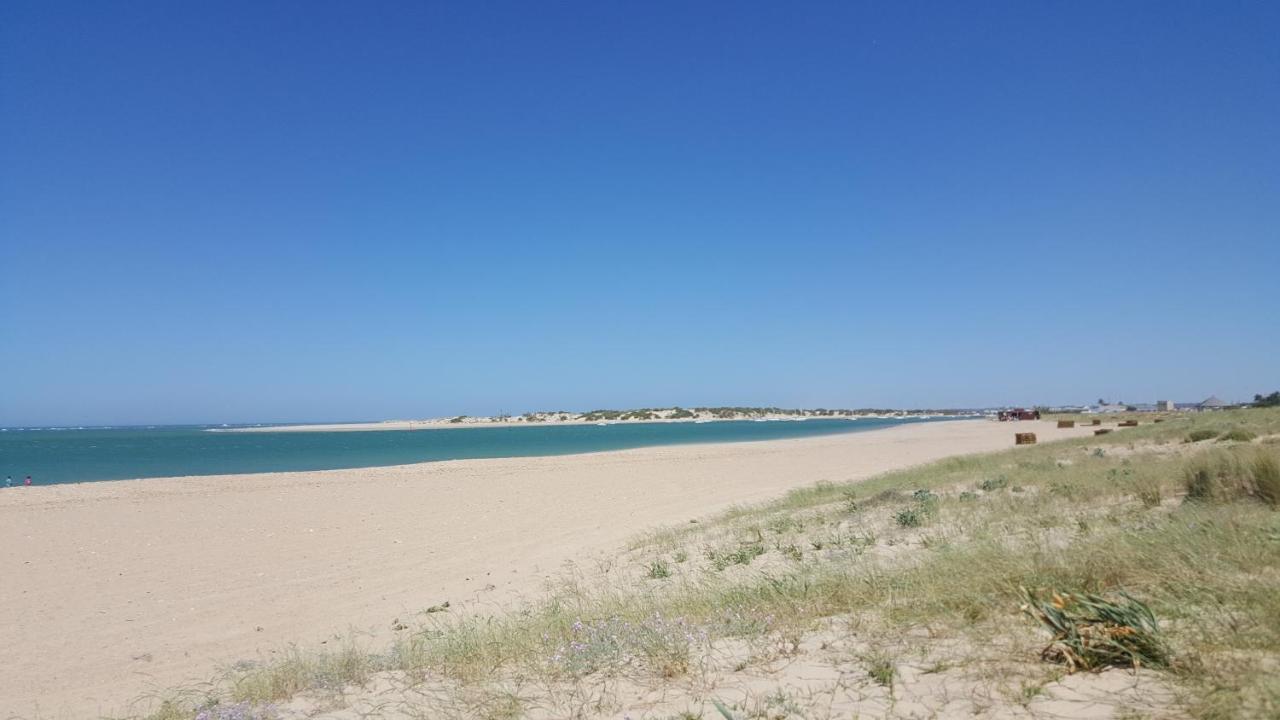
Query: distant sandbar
{"points": [[604, 417]]}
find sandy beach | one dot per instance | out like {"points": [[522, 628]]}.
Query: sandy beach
{"points": [[114, 590]]}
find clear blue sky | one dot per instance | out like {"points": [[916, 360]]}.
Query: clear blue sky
{"points": [[312, 210]]}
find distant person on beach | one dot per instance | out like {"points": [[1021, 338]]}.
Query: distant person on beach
{"points": [[8, 481], [28, 482]]}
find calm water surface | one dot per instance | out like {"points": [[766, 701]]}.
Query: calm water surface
{"points": [[78, 455]]}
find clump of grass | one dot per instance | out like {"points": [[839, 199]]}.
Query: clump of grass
{"points": [[659, 569], [880, 668], [298, 671], [662, 645], [851, 500], [910, 517], [1201, 434], [1237, 435], [742, 555], [1226, 475], [779, 705], [1148, 491], [783, 524], [1092, 632], [994, 483], [1266, 478]]}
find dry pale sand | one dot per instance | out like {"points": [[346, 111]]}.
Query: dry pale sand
{"points": [[114, 589]]}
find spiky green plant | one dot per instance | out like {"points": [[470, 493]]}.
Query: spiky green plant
{"points": [[1091, 632]]}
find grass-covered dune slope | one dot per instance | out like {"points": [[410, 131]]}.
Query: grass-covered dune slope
{"points": [[1133, 574]]}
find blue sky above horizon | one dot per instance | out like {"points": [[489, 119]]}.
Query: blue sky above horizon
{"points": [[292, 211]]}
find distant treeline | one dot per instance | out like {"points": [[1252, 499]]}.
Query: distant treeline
{"points": [[729, 412], [1272, 400]]}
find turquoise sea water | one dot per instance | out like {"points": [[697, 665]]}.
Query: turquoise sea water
{"points": [[79, 455]]}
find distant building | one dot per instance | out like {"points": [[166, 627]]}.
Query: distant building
{"points": [[1164, 405], [1212, 403]]}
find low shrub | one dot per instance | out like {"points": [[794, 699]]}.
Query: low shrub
{"points": [[1202, 434], [1237, 435], [910, 517], [924, 497], [996, 483]]}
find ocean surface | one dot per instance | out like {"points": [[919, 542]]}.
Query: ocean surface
{"points": [[65, 455]]}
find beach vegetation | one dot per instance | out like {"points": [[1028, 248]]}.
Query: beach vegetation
{"points": [[742, 554], [880, 668], [1238, 434], [1154, 554], [992, 484], [910, 517], [1091, 632], [659, 569]]}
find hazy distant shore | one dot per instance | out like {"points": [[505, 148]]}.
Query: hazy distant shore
{"points": [[603, 417]]}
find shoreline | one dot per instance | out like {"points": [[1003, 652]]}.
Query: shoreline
{"points": [[174, 577], [318, 452]]}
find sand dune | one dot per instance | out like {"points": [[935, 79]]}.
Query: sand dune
{"points": [[114, 589]]}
